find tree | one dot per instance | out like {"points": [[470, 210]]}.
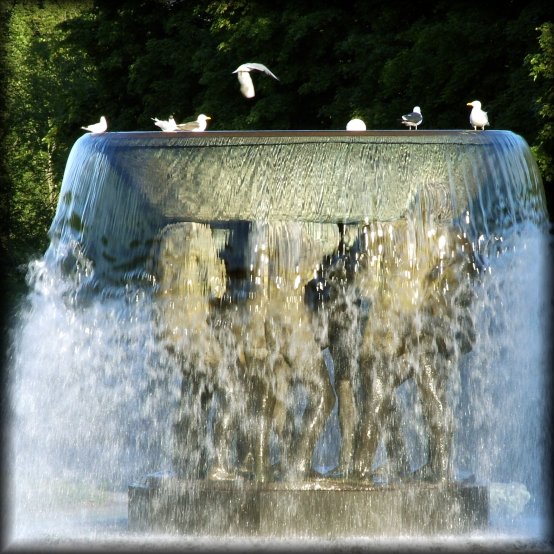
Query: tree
{"points": [[41, 71], [541, 67]]}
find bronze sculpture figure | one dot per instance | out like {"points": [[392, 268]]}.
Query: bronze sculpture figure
{"points": [[418, 328], [278, 345], [188, 274]]}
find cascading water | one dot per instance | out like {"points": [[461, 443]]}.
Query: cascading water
{"points": [[207, 298]]}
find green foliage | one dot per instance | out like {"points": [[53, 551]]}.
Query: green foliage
{"points": [[542, 71], [41, 73]]}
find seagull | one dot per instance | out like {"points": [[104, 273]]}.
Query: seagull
{"points": [[477, 117], [99, 127], [169, 125], [355, 125], [243, 74], [199, 125], [413, 119]]}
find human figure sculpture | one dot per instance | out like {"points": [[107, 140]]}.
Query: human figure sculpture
{"points": [[418, 328], [347, 306], [278, 346], [188, 275], [343, 339]]}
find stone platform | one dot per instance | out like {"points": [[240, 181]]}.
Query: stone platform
{"points": [[318, 509]]}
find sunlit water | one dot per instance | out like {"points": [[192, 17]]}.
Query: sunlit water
{"points": [[94, 394]]}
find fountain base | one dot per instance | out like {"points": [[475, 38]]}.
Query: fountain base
{"points": [[318, 509]]}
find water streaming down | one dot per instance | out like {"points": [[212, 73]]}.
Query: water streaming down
{"points": [[268, 305]]}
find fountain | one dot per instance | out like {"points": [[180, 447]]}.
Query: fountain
{"points": [[289, 333]]}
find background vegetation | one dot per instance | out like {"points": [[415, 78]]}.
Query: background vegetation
{"points": [[66, 63]]}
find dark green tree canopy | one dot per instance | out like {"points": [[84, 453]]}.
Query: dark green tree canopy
{"points": [[375, 60]]}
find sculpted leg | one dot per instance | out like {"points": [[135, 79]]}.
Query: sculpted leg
{"points": [[380, 418], [439, 420], [397, 455], [224, 431], [283, 417], [265, 418], [371, 427], [191, 456], [320, 403], [343, 346], [347, 423]]}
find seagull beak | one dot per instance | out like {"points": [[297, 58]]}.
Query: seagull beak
{"points": [[470, 104], [208, 117]]}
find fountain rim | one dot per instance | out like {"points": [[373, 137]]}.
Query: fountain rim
{"points": [[400, 135]]}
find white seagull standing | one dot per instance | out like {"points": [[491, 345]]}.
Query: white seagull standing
{"points": [[165, 125], [243, 74], [199, 125], [99, 127], [413, 119], [477, 117]]}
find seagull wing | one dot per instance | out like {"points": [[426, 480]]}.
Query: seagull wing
{"points": [[188, 126], [246, 67], [260, 67], [164, 125], [412, 117], [159, 123]]}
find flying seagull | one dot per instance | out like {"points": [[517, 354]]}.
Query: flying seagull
{"points": [[99, 127], [243, 74], [355, 125], [413, 119], [199, 125], [477, 117], [169, 125]]}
